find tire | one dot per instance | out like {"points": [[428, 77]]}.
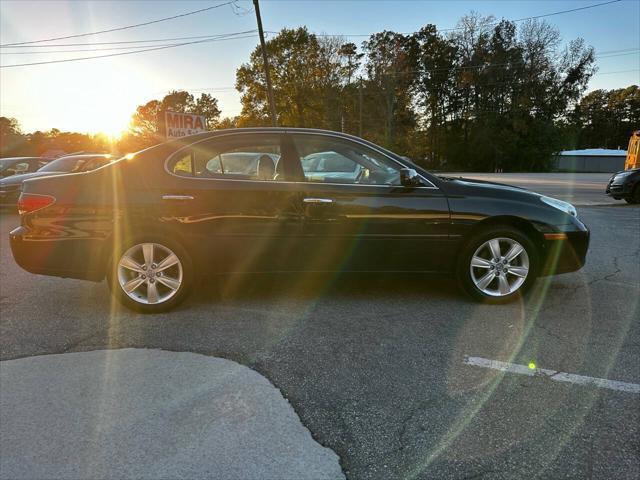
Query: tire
{"points": [[157, 270], [635, 196], [478, 248]]}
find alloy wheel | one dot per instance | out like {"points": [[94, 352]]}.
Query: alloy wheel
{"points": [[150, 273], [499, 267]]}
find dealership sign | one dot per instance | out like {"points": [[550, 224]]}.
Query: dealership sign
{"points": [[182, 124]]}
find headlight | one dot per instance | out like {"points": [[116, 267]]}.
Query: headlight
{"points": [[622, 175], [566, 207]]}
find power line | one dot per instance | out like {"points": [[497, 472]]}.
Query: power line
{"points": [[131, 47], [567, 11], [226, 36], [618, 71], [561, 12], [124, 53], [87, 44], [121, 28]]}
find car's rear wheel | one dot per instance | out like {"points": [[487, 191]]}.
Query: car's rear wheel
{"points": [[150, 275], [498, 265]]}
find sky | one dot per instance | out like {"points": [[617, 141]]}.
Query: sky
{"points": [[101, 94]]}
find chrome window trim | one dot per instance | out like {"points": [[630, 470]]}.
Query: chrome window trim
{"points": [[429, 186]]}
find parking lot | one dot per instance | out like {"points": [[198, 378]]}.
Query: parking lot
{"points": [[391, 372]]}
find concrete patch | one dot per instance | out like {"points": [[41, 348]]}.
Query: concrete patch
{"points": [[150, 414]]}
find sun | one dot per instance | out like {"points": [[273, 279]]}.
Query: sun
{"points": [[111, 123]]}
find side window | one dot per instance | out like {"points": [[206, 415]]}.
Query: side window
{"points": [[21, 167], [240, 157], [183, 165], [334, 160]]}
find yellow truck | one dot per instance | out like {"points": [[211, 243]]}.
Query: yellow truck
{"points": [[633, 160]]}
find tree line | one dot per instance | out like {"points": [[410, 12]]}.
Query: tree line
{"points": [[487, 95]]}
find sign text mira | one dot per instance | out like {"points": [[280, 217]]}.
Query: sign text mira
{"points": [[183, 124]]}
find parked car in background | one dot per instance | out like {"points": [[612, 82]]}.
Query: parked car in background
{"points": [[10, 187], [20, 165], [154, 223], [625, 185]]}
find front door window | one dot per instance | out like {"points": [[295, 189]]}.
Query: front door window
{"points": [[327, 159]]}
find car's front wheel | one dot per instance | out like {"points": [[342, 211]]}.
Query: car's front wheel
{"points": [[150, 275], [498, 265], [635, 196]]}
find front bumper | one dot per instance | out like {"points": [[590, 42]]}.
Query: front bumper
{"points": [[619, 188], [565, 252]]}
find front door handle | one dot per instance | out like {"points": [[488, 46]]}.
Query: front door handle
{"points": [[177, 197], [317, 200]]}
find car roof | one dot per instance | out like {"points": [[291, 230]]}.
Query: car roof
{"points": [[214, 133], [22, 158], [87, 155]]}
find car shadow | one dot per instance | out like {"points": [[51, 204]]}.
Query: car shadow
{"points": [[309, 286]]}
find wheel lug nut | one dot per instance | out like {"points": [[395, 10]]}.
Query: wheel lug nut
{"points": [[144, 267], [154, 266], [152, 280], [143, 276]]}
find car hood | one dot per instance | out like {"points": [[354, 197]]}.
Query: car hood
{"points": [[18, 179], [485, 186], [628, 173]]}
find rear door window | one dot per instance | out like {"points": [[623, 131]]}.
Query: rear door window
{"points": [[240, 157]]}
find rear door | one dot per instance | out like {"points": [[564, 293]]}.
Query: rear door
{"points": [[358, 217], [228, 196]]}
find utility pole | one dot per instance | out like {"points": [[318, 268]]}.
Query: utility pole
{"points": [[265, 60], [360, 109]]}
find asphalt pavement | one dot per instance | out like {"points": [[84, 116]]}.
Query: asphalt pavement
{"points": [[400, 375], [582, 189]]}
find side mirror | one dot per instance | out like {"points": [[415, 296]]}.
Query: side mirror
{"points": [[409, 177]]}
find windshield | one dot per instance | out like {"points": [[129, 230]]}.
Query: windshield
{"points": [[6, 163]]}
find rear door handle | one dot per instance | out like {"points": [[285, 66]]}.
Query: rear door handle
{"points": [[177, 197], [317, 200]]}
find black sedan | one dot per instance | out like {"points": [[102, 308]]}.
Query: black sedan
{"points": [[625, 184], [241, 201], [11, 186], [19, 165]]}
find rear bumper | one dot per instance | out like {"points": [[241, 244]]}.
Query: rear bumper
{"points": [[566, 252], [45, 257], [9, 198]]}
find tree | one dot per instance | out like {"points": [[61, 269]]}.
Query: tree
{"points": [[207, 106], [307, 78], [145, 128], [492, 97], [12, 139], [391, 73], [605, 118]]}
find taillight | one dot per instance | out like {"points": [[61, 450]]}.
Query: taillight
{"points": [[30, 202]]}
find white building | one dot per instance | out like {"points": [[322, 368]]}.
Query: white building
{"points": [[590, 160]]}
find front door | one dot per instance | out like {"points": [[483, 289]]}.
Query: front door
{"points": [[358, 217]]}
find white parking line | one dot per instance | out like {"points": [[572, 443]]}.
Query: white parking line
{"points": [[554, 375]]}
